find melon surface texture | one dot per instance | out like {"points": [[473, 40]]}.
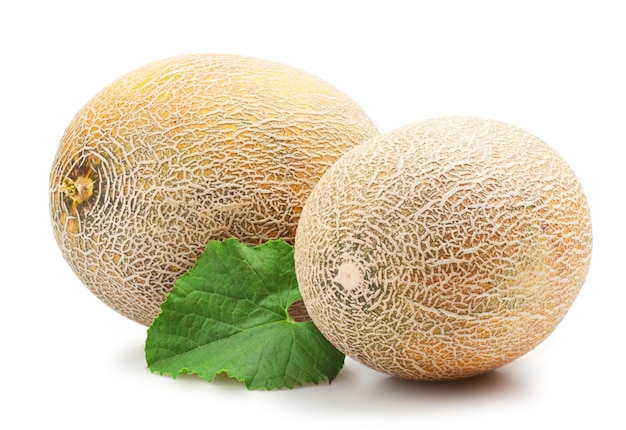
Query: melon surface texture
{"points": [[187, 150], [443, 249]]}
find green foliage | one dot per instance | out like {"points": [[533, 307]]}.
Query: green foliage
{"points": [[229, 314]]}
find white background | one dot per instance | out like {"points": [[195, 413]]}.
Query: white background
{"points": [[556, 69]]}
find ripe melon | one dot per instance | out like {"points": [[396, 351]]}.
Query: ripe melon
{"points": [[183, 151], [443, 249]]}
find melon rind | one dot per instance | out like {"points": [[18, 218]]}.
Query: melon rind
{"points": [[443, 249], [187, 150]]}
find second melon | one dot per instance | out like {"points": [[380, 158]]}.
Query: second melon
{"points": [[443, 249]]}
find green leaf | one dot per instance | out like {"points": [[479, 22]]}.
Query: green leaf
{"points": [[230, 314]]}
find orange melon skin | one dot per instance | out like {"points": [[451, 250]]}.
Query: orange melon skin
{"points": [[444, 249], [183, 151]]}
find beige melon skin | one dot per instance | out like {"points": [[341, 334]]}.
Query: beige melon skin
{"points": [[443, 249], [183, 151]]}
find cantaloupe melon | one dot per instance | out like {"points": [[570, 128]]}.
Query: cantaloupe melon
{"points": [[183, 151], [443, 249]]}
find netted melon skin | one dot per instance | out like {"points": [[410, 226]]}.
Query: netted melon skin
{"points": [[187, 150], [443, 249]]}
